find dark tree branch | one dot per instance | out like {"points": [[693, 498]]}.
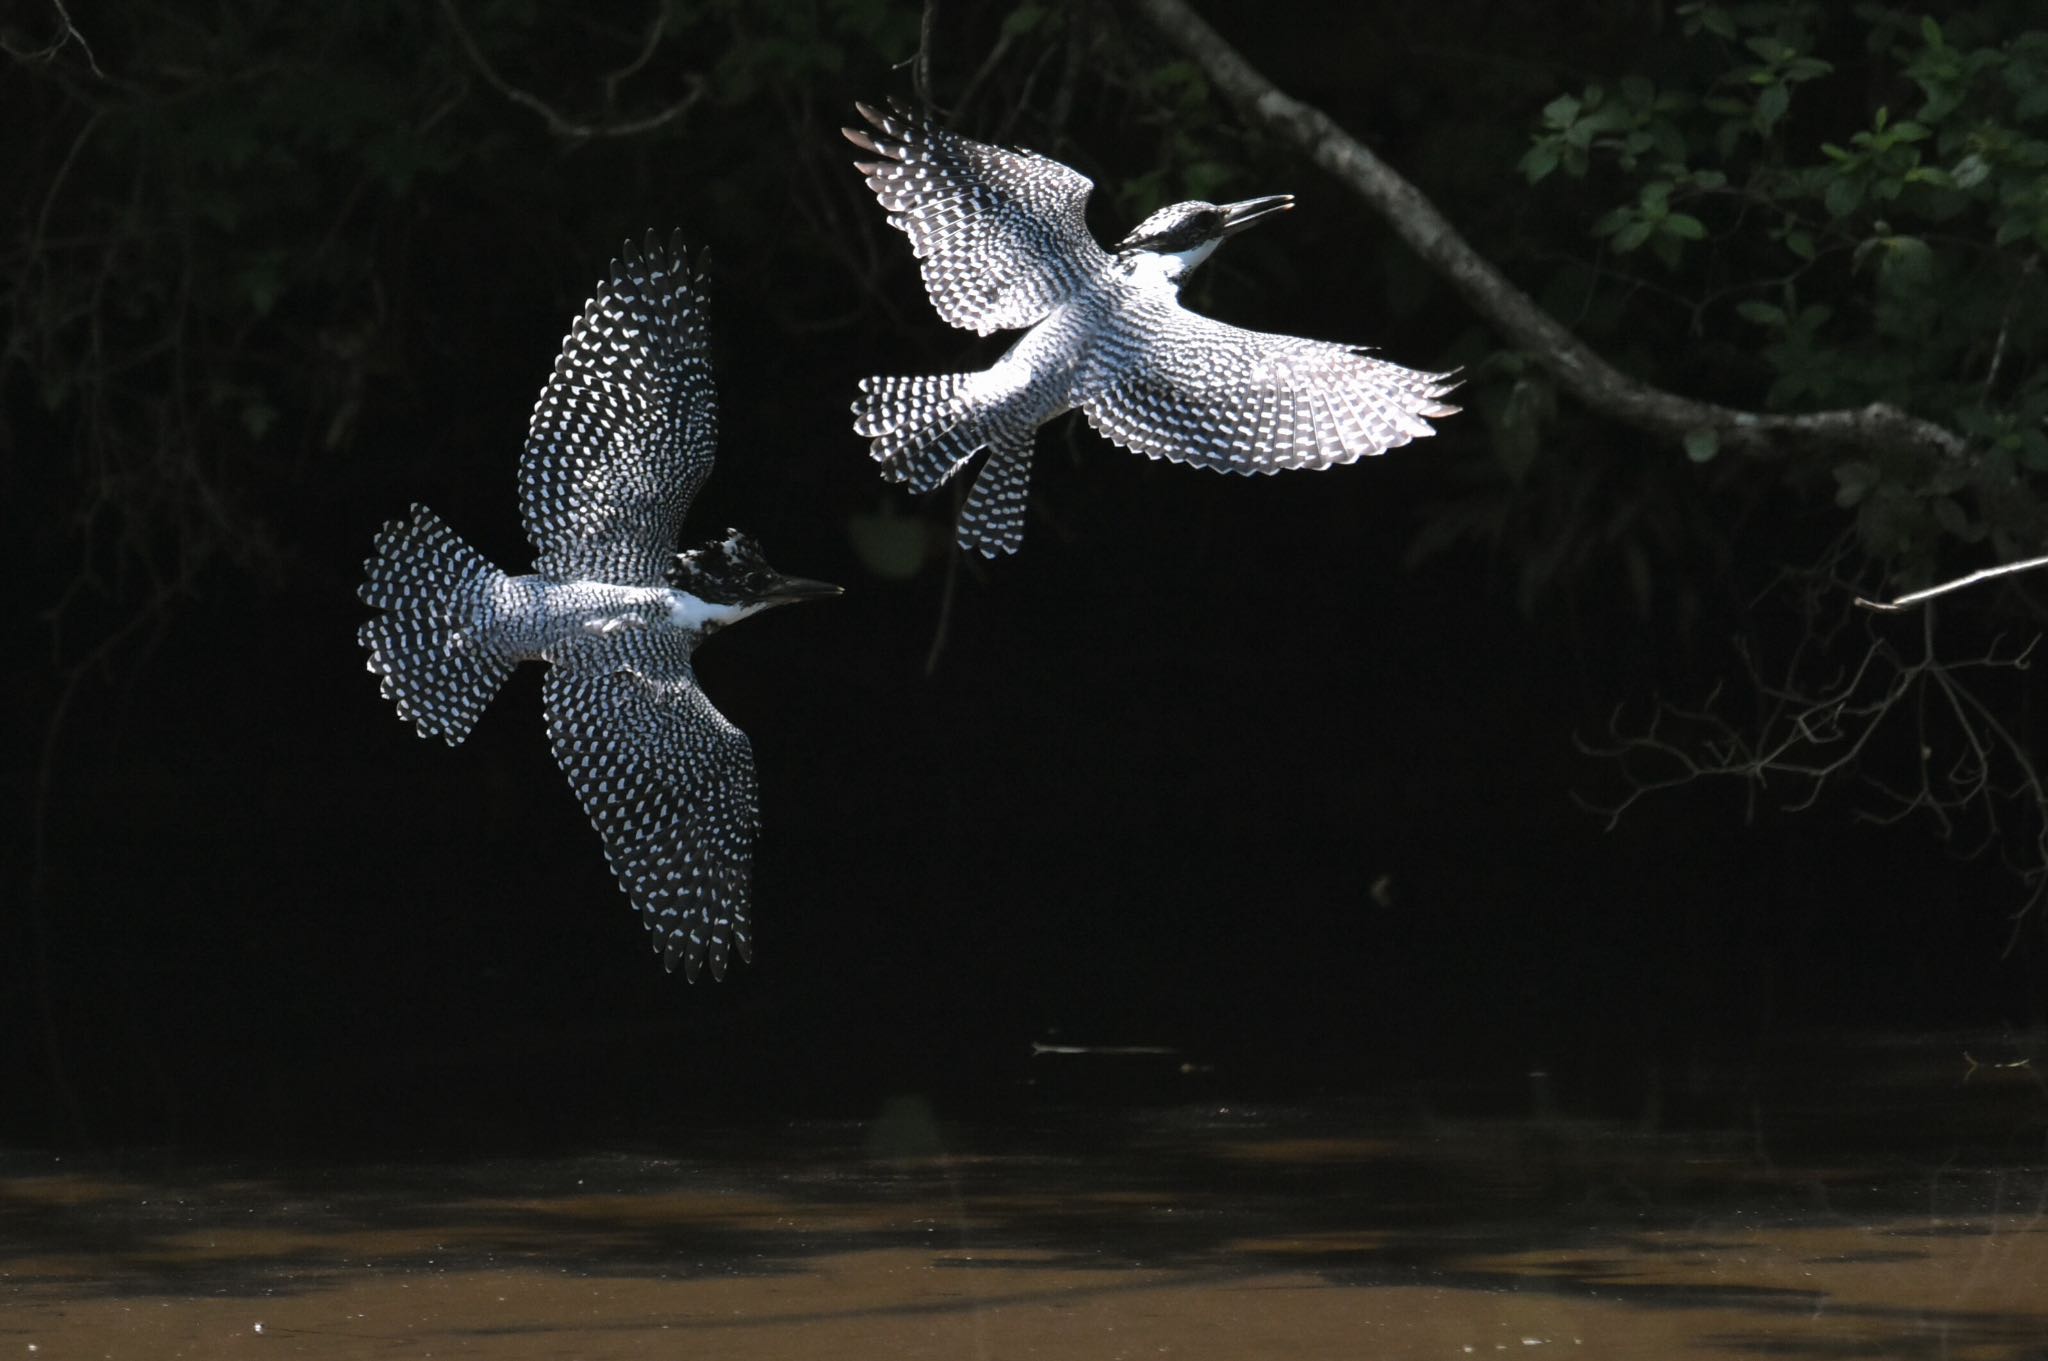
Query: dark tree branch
{"points": [[66, 34], [656, 27], [557, 123], [921, 72], [1598, 384]]}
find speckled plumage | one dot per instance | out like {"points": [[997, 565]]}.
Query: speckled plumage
{"points": [[621, 439], [1003, 244]]}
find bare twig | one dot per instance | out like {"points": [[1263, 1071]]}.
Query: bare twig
{"points": [[1812, 738], [954, 555], [67, 33], [558, 124], [1577, 368], [982, 72], [656, 26], [1915, 597], [2005, 327]]}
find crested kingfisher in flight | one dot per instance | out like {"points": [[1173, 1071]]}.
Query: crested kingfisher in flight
{"points": [[620, 440], [1004, 245]]}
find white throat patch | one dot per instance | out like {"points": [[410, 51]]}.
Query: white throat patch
{"points": [[686, 611], [1153, 268]]}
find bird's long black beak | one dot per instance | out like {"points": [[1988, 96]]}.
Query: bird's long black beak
{"points": [[1238, 216], [788, 590]]}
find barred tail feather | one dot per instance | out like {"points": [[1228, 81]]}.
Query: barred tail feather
{"points": [[431, 586], [922, 429], [992, 520]]}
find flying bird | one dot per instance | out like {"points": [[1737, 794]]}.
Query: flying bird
{"points": [[1005, 245], [620, 441]]}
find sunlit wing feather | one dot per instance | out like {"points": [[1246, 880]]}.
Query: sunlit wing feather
{"points": [[669, 784], [624, 432], [1184, 387], [1002, 235]]}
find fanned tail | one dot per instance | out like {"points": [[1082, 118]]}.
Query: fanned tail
{"points": [[432, 588], [922, 429]]}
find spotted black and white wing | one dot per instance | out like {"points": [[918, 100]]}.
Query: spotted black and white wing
{"points": [[624, 432], [1003, 235], [669, 784], [1184, 387]]}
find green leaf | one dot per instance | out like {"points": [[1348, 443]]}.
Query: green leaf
{"points": [[1702, 444], [1669, 141], [2034, 449], [1844, 195], [1022, 20], [1760, 312], [257, 418], [1631, 236], [1906, 263], [1562, 111], [1953, 520], [1539, 160], [1772, 103], [1685, 226]]}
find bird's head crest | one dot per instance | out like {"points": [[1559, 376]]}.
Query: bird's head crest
{"points": [[1182, 227], [733, 571]]}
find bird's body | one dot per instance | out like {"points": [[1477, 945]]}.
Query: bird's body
{"points": [[621, 438], [538, 619], [1005, 246]]}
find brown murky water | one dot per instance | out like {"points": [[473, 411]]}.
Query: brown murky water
{"points": [[1209, 1230]]}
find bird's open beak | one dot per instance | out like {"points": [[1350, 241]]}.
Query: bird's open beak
{"points": [[1238, 216], [788, 590]]}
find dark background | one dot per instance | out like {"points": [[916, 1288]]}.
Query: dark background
{"points": [[1209, 765]]}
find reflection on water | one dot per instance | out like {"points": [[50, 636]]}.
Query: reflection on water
{"points": [[1848, 1217]]}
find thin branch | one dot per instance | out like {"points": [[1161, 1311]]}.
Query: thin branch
{"points": [[1577, 368], [921, 71], [1915, 597], [984, 71], [66, 35], [1812, 738], [557, 123], [2005, 326], [656, 27], [954, 556]]}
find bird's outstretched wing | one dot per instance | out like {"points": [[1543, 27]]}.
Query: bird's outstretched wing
{"points": [[624, 431], [1195, 390], [669, 784], [1003, 234]]}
